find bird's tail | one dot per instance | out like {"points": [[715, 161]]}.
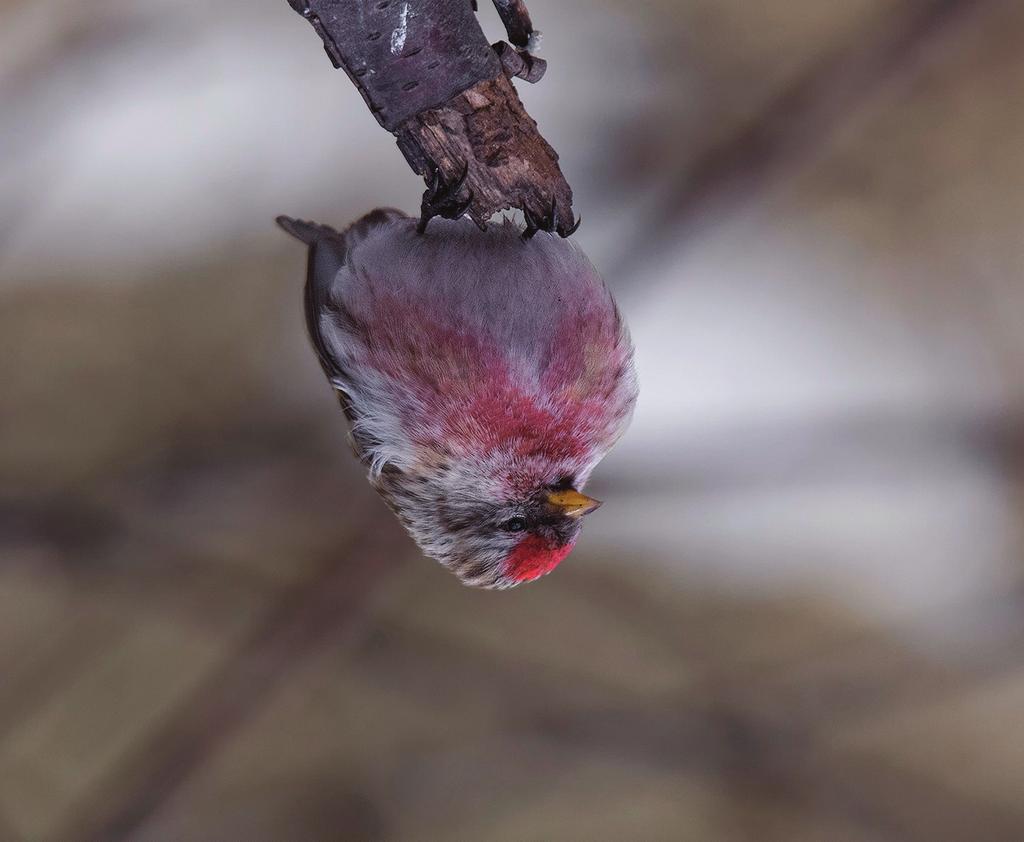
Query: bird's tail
{"points": [[311, 232], [308, 232]]}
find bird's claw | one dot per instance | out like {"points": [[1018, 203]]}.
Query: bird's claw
{"points": [[441, 198], [549, 223], [568, 232]]}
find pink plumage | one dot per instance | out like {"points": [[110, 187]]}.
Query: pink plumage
{"points": [[484, 377]]}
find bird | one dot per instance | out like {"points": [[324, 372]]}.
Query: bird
{"points": [[483, 375]]}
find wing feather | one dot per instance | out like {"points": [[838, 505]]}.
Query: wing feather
{"points": [[328, 251]]}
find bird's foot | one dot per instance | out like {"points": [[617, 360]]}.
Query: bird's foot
{"points": [[441, 198], [549, 222]]}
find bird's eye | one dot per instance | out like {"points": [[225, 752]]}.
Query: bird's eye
{"points": [[514, 524]]}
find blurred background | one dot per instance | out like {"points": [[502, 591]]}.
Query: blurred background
{"points": [[799, 615]]}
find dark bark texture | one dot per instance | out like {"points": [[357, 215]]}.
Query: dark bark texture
{"points": [[430, 77]]}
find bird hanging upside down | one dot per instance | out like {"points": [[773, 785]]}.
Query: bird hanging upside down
{"points": [[484, 377]]}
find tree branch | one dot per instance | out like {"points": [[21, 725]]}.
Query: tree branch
{"points": [[429, 76]]}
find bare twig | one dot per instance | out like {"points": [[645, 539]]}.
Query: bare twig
{"points": [[430, 78], [517, 21]]}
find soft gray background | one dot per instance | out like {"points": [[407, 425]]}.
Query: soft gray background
{"points": [[797, 617]]}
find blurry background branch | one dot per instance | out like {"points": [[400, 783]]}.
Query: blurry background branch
{"points": [[801, 614], [430, 77]]}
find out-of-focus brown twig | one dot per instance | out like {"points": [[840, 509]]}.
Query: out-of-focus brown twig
{"points": [[430, 77]]}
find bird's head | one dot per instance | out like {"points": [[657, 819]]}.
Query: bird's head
{"points": [[494, 522]]}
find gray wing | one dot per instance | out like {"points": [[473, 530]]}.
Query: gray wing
{"points": [[327, 253]]}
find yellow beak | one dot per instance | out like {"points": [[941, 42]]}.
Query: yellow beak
{"points": [[571, 503]]}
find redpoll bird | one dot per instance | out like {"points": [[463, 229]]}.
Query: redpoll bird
{"points": [[484, 377]]}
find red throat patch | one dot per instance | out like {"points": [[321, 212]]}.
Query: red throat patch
{"points": [[533, 557]]}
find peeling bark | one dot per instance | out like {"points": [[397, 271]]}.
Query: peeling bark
{"points": [[430, 77]]}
